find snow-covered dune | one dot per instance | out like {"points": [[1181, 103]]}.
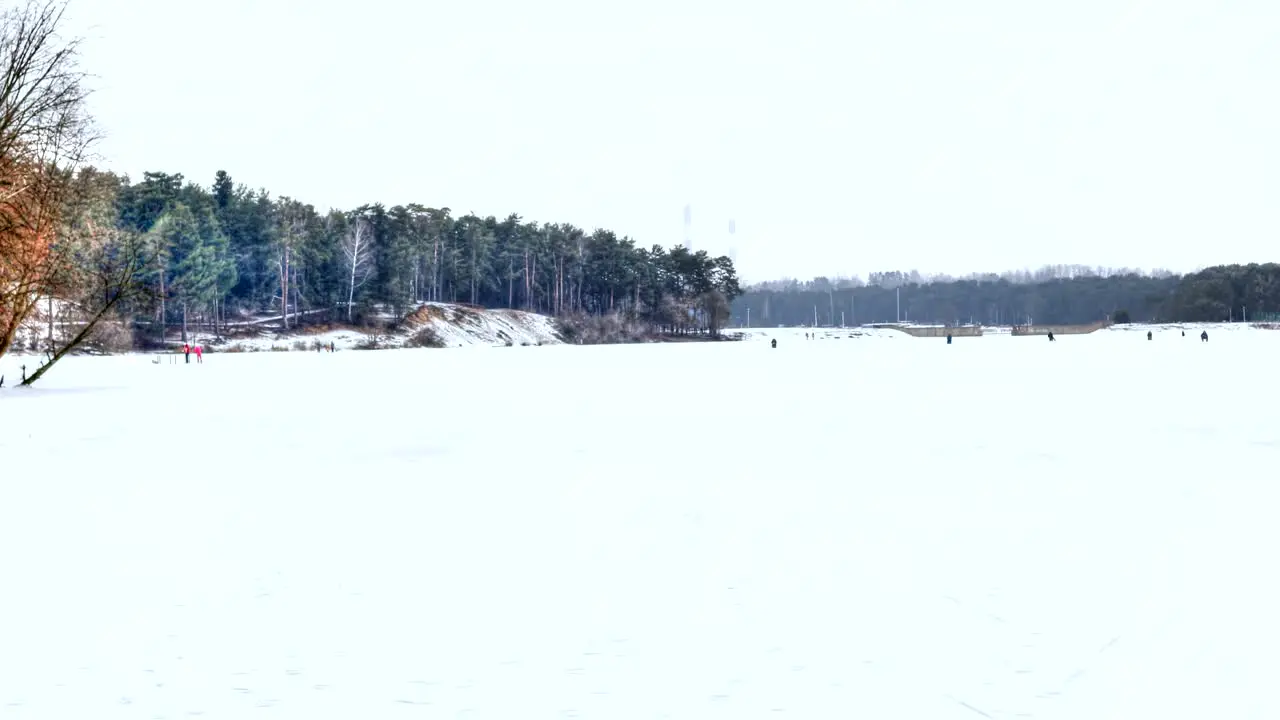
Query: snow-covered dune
{"points": [[430, 325]]}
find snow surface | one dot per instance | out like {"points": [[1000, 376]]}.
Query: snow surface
{"points": [[1001, 527]]}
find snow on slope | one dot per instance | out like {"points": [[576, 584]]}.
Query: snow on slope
{"points": [[444, 325], [459, 325]]}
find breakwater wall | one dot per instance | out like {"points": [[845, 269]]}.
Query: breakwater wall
{"points": [[934, 331], [1058, 329]]}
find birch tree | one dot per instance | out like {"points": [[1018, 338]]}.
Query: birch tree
{"points": [[358, 250]]}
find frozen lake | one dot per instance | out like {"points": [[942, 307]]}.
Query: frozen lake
{"points": [[873, 528]]}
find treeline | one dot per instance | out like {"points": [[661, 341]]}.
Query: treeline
{"points": [[1061, 295], [896, 278], [226, 252]]}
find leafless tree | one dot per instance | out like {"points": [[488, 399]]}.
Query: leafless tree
{"points": [[291, 230], [44, 134], [357, 246], [716, 311]]}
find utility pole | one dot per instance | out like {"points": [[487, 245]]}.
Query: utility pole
{"points": [[748, 317], [899, 310]]}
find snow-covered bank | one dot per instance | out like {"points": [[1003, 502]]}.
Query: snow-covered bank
{"points": [[436, 325], [431, 325]]}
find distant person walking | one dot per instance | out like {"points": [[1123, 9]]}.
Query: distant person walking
{"points": [[186, 351], [1148, 334], [773, 342], [1050, 336], [199, 354], [1204, 336]]}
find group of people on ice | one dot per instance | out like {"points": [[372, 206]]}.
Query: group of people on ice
{"points": [[1204, 337]]}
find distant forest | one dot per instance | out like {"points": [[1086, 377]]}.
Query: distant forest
{"points": [[1060, 294], [228, 249]]}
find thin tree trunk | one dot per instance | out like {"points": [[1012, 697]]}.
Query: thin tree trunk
{"points": [[162, 308], [284, 288], [435, 269]]}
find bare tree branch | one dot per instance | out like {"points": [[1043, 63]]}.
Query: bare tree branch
{"points": [[110, 269], [45, 133]]}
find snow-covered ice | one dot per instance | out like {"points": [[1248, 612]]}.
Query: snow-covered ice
{"points": [[1003, 527]]}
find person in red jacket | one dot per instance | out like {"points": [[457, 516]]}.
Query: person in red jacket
{"points": [[186, 351], [199, 354]]}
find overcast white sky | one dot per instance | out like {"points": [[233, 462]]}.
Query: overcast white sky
{"points": [[843, 137]]}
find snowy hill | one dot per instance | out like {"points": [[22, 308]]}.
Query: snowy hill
{"points": [[434, 325], [430, 325]]}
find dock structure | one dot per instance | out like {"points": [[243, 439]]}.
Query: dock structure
{"points": [[1021, 330], [933, 331]]}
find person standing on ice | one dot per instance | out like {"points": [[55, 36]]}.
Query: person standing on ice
{"points": [[186, 351], [1204, 336], [1148, 334], [199, 355]]}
